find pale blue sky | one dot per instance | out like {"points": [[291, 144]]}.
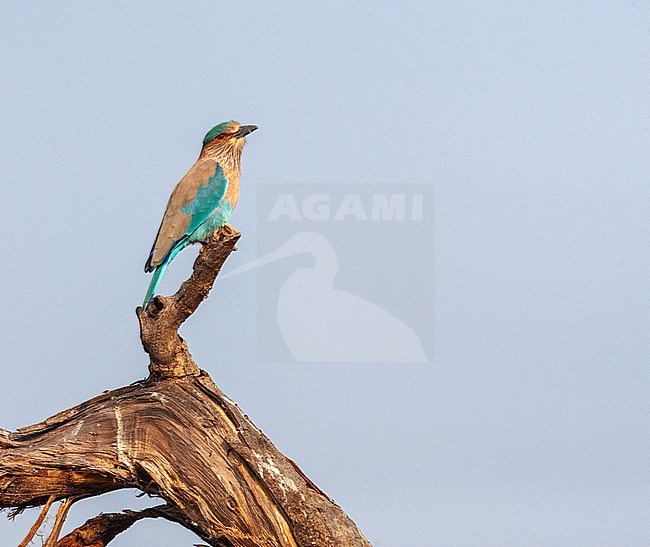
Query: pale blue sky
{"points": [[531, 119]]}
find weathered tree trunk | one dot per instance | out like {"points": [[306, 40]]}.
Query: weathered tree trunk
{"points": [[177, 436]]}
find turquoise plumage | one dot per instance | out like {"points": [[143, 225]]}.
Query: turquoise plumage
{"points": [[202, 201]]}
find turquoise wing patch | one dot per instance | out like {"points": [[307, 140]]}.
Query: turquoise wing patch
{"points": [[207, 199]]}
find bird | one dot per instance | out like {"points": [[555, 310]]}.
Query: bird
{"points": [[203, 201]]}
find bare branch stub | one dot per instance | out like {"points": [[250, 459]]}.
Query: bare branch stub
{"points": [[160, 321], [102, 529], [39, 521]]}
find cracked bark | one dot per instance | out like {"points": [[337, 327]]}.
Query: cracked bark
{"points": [[174, 435]]}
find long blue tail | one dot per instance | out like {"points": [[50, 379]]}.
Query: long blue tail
{"points": [[160, 270], [155, 281]]}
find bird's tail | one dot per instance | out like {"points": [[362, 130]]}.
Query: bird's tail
{"points": [[160, 270], [155, 281]]}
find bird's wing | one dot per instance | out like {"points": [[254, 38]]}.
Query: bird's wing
{"points": [[191, 202]]}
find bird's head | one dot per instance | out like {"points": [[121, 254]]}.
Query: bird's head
{"points": [[225, 142], [229, 133]]}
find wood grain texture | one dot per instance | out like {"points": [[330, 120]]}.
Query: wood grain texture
{"points": [[176, 436]]}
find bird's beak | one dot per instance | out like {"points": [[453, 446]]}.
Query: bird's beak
{"points": [[245, 130]]}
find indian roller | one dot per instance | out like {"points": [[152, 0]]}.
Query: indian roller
{"points": [[202, 201]]}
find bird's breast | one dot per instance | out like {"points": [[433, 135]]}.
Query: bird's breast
{"points": [[232, 190]]}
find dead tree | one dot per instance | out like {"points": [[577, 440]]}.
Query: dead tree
{"points": [[175, 436]]}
